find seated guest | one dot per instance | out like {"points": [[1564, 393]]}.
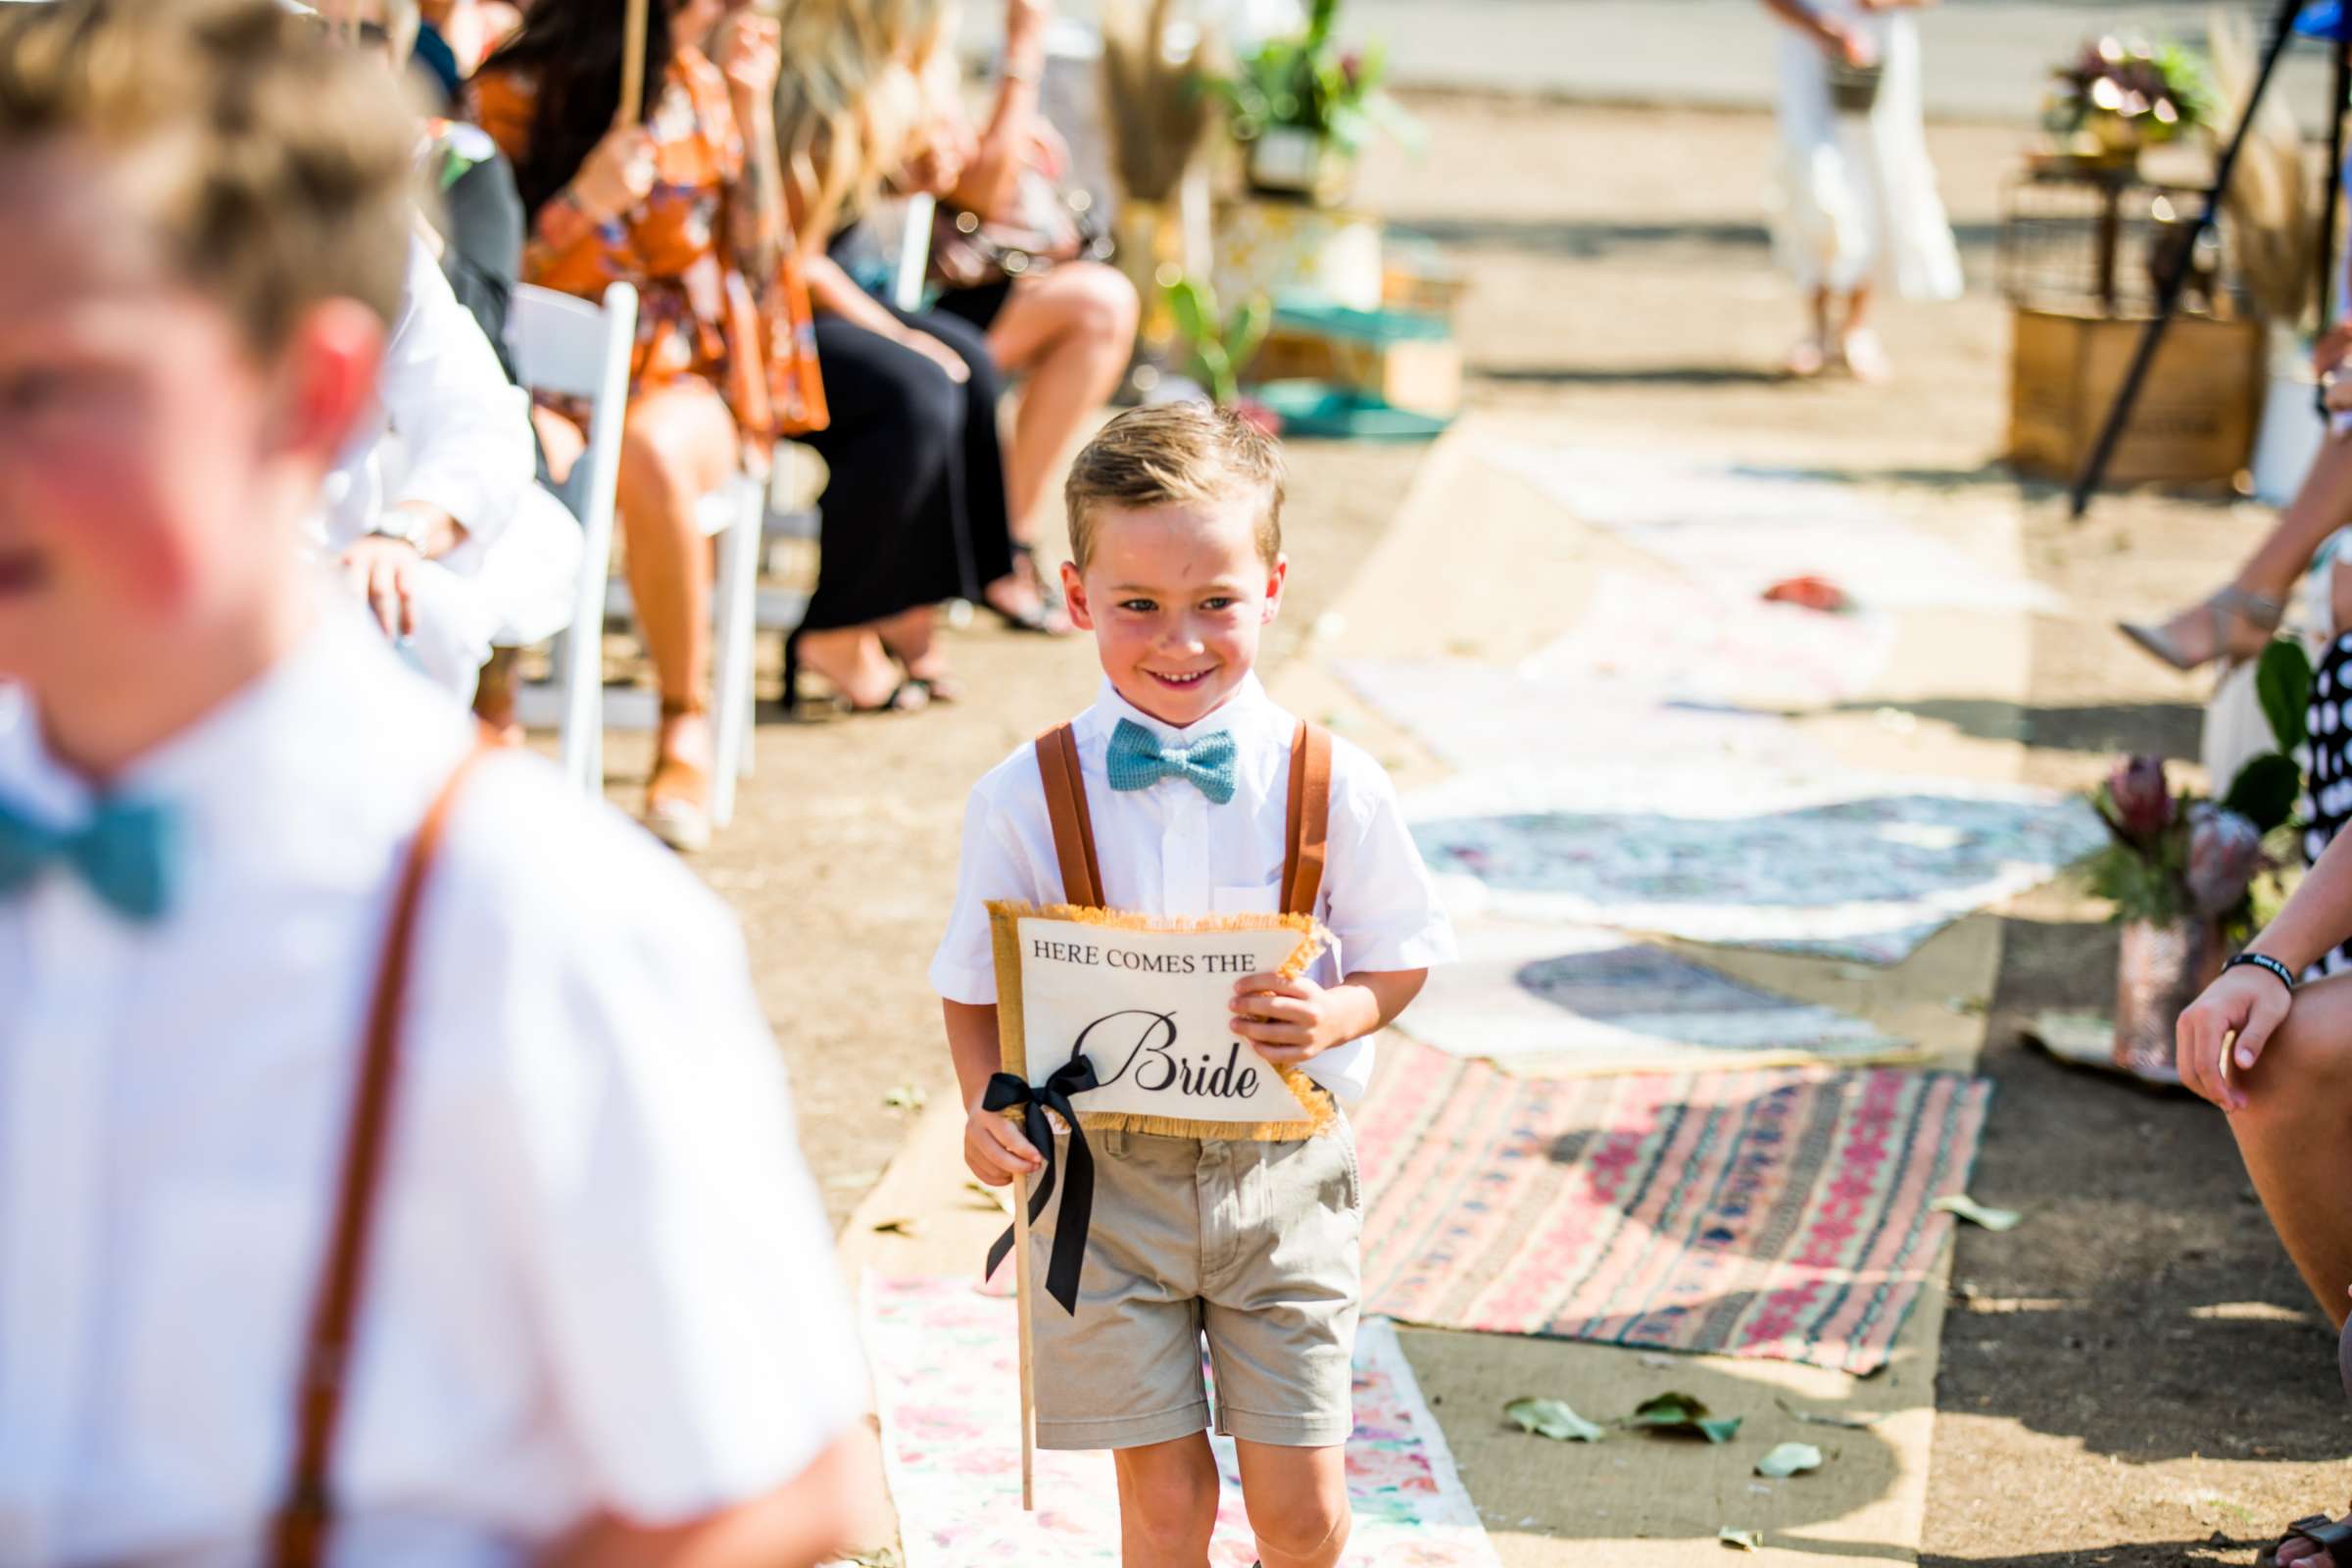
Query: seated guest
{"points": [[684, 207], [574, 1305], [916, 511], [431, 514], [2278, 1056], [1066, 325]]}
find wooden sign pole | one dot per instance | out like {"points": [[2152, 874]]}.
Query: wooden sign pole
{"points": [[632, 65], [1025, 1291]]}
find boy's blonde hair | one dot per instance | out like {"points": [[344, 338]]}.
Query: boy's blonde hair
{"points": [[275, 161], [1175, 454]]}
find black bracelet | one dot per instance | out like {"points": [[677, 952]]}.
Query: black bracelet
{"points": [[2263, 960]]}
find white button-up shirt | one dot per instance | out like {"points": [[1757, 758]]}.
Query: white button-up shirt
{"points": [[601, 1278], [1166, 850]]}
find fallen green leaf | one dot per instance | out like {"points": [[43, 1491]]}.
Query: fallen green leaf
{"points": [[1553, 1418], [899, 1227], [904, 1097], [1859, 1421], [1976, 1213], [1684, 1414], [1741, 1540], [1789, 1459]]}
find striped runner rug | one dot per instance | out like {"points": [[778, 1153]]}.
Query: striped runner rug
{"points": [[1780, 1213]]}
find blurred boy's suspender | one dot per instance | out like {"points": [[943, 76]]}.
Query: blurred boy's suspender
{"points": [[1305, 832], [305, 1516]]}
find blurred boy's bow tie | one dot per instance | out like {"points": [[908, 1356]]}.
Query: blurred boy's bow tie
{"points": [[127, 854], [1138, 759]]}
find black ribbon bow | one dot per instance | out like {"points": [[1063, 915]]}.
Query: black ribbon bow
{"points": [[1006, 1091]]}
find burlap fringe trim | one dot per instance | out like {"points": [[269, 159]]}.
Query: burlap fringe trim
{"points": [[1012, 1035]]}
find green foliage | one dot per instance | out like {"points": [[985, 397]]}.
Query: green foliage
{"points": [[1222, 346], [2265, 791], [1312, 85], [1554, 1419], [1683, 1415], [2140, 887], [2283, 684]]}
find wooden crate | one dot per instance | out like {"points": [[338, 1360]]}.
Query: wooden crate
{"points": [[2194, 419], [1405, 360]]}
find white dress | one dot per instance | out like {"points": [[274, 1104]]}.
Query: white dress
{"points": [[1854, 200]]}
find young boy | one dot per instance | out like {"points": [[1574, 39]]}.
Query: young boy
{"points": [[590, 1316], [1175, 522]]}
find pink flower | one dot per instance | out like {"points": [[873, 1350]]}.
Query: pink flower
{"points": [[2224, 851], [2142, 801]]}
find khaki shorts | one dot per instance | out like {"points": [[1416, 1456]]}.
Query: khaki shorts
{"points": [[1250, 1245]]}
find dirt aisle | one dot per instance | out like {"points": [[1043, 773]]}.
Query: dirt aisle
{"points": [[2131, 1375]]}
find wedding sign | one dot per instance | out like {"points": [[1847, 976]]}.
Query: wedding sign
{"points": [[1147, 1005]]}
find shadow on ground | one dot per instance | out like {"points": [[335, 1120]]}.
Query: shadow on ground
{"points": [[2160, 729]]}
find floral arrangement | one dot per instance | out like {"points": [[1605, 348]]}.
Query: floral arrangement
{"points": [[2117, 96], [1309, 83], [2180, 856]]}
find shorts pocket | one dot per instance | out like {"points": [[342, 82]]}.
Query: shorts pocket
{"points": [[1345, 1136]]}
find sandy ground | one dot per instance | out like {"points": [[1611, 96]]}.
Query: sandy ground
{"points": [[2134, 1375]]}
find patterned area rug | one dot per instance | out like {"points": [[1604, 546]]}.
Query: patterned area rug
{"points": [[1564, 1000], [1781, 1214], [1740, 528], [1842, 867], [946, 1379]]}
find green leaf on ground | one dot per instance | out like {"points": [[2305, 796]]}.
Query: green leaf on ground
{"points": [[1976, 1213], [1741, 1540], [1683, 1415], [906, 1097], [1859, 1421], [1789, 1459], [1553, 1418]]}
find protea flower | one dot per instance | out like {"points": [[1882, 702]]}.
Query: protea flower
{"points": [[2224, 851], [2140, 800]]}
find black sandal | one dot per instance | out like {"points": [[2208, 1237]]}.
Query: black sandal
{"points": [[1051, 618], [908, 696], [2328, 1534]]}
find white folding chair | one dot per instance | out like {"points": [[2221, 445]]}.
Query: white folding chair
{"points": [[573, 348], [551, 334]]}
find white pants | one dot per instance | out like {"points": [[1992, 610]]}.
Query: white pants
{"points": [[516, 592]]}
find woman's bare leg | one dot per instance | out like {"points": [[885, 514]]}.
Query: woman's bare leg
{"points": [[2292, 1136], [1071, 331], [679, 445]]}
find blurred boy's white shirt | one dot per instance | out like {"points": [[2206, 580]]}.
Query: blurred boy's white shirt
{"points": [[1166, 850], [602, 1278]]}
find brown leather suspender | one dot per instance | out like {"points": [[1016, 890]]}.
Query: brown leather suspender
{"points": [[1306, 826], [306, 1513], [1074, 826]]}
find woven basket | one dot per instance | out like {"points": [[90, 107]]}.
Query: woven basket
{"points": [[1854, 89]]}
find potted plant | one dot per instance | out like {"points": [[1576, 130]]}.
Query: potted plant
{"points": [[2181, 869], [1221, 345], [1303, 107], [2114, 98]]}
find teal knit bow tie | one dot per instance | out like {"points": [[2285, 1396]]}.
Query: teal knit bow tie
{"points": [[1138, 759], [127, 855]]}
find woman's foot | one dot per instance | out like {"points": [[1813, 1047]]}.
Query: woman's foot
{"points": [[1025, 600], [2233, 625], [677, 798], [1809, 358], [855, 663], [1864, 355]]}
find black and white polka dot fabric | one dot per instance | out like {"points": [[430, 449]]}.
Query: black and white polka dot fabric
{"points": [[2329, 786]]}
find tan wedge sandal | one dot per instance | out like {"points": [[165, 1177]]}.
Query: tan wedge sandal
{"points": [[2240, 624]]}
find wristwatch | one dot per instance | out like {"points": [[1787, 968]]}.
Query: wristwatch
{"points": [[398, 523]]}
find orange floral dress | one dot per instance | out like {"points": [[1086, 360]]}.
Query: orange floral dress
{"points": [[697, 315]]}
